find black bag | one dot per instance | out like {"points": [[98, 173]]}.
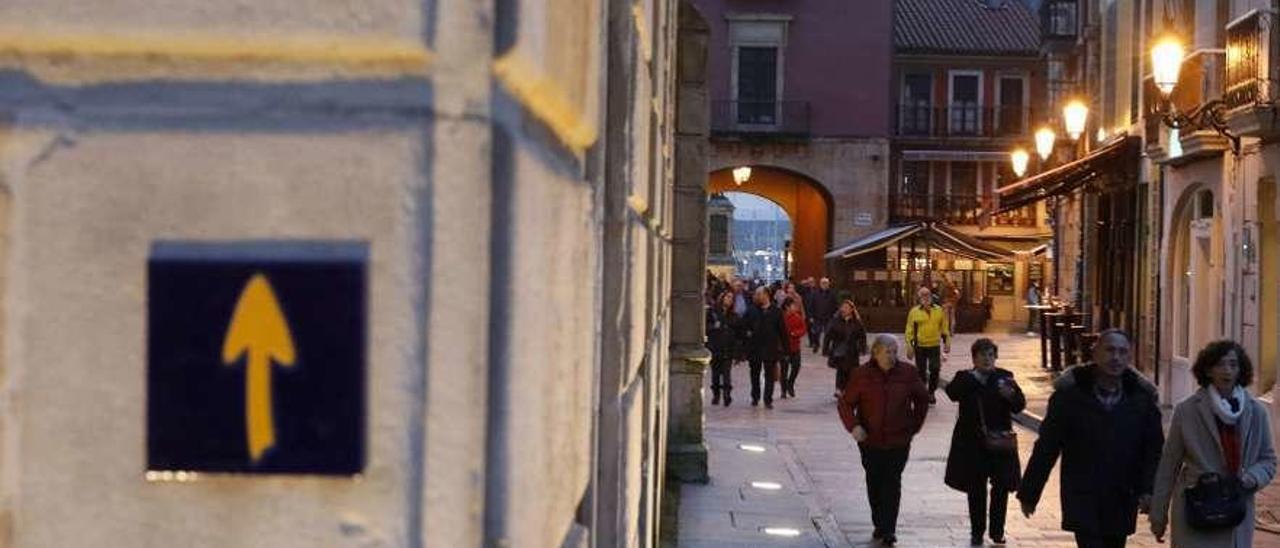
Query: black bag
{"points": [[1215, 502], [1005, 442]]}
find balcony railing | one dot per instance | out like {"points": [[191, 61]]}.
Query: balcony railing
{"points": [[962, 120], [955, 209], [1253, 52], [782, 118]]}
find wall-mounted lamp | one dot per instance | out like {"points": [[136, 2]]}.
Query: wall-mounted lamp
{"points": [[1074, 116], [1019, 159], [741, 175], [1166, 62], [1044, 142]]}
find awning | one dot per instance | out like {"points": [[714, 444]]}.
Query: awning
{"points": [[1067, 178], [934, 235]]}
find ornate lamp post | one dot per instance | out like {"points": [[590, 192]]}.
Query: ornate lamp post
{"points": [[1074, 116], [1019, 159], [1044, 142]]}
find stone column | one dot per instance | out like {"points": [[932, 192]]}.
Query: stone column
{"points": [[687, 451]]}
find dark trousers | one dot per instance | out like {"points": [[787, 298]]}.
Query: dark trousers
{"points": [[721, 367], [790, 370], [929, 365], [884, 484], [815, 333], [843, 369], [1089, 540], [978, 511], [770, 370]]}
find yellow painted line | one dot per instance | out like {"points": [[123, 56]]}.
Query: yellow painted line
{"points": [[642, 32], [546, 99], [64, 57]]}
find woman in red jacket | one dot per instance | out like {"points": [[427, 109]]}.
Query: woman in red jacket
{"points": [[797, 328]]}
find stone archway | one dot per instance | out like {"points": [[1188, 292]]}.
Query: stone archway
{"points": [[804, 200]]}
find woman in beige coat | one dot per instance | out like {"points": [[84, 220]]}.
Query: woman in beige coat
{"points": [[1221, 429]]}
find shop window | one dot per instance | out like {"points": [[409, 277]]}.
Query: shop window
{"points": [[1000, 279]]}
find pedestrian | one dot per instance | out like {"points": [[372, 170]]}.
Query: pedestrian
{"points": [[740, 300], [722, 340], [1222, 430], [1103, 421], [1033, 299], [821, 307], [950, 299], [768, 339], [928, 336], [883, 406], [794, 319], [844, 343], [988, 398]]}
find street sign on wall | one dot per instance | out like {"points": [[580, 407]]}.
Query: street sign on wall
{"points": [[256, 357]]}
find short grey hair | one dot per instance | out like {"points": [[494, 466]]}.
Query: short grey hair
{"points": [[883, 340]]}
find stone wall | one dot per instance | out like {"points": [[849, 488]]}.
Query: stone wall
{"points": [[517, 206]]}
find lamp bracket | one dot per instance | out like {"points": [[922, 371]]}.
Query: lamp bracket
{"points": [[1210, 115]]}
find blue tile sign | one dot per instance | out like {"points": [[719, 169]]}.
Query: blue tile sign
{"points": [[256, 357]]}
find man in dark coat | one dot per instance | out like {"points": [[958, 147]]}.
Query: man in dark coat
{"points": [[820, 305], [970, 465], [1103, 420], [768, 337], [883, 406]]}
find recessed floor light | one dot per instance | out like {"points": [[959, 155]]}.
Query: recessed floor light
{"points": [[751, 447], [766, 485], [781, 531]]}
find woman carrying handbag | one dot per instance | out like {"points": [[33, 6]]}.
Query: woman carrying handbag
{"points": [[844, 343], [983, 446], [1217, 455]]}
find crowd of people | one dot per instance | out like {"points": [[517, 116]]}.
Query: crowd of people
{"points": [[767, 326], [1103, 421]]}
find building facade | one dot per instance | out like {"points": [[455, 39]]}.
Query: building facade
{"points": [[511, 172], [969, 87], [797, 94]]}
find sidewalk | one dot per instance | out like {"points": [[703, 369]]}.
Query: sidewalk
{"points": [[822, 492]]}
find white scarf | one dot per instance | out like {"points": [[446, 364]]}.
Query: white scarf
{"points": [[1222, 408]]}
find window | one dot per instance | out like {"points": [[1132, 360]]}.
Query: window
{"points": [[718, 226], [963, 199], [966, 101], [916, 104], [757, 85], [912, 200], [758, 43], [1061, 18], [1013, 105]]}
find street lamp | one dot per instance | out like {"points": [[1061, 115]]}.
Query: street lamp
{"points": [[1044, 142], [1019, 158], [1166, 62], [1074, 116], [741, 175]]}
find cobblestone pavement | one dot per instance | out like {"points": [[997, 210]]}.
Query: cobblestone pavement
{"points": [[807, 452]]}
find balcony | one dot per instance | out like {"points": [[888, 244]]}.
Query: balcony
{"points": [[962, 121], [955, 210], [1199, 82], [760, 119], [1252, 85]]}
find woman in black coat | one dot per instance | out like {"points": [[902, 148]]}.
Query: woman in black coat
{"points": [[970, 465], [844, 343], [722, 341]]}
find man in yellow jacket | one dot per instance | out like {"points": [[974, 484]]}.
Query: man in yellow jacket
{"points": [[928, 335]]}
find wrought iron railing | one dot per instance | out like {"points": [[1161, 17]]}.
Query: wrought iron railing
{"points": [[760, 117], [955, 209], [1253, 50], [963, 120]]}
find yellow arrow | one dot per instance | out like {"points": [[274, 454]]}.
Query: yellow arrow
{"points": [[258, 327]]}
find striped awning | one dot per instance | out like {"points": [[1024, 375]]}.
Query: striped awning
{"points": [[926, 234]]}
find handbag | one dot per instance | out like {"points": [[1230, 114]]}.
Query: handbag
{"points": [[999, 442], [1215, 502]]}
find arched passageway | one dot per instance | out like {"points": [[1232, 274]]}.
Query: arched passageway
{"points": [[805, 202]]}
